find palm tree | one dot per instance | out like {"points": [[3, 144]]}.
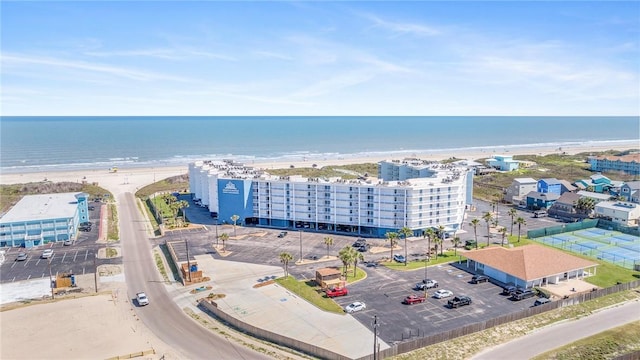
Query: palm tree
{"points": [[513, 213], [346, 255], [224, 237], [405, 232], [430, 234], [487, 217], [234, 218], [285, 257], [442, 233], [475, 223], [456, 243], [503, 232], [357, 256], [392, 237], [520, 221], [328, 241], [585, 205], [438, 241]]}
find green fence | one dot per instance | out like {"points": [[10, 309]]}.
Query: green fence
{"points": [[559, 229]]}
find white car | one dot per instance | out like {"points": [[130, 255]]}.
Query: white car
{"points": [[47, 254], [356, 306], [142, 299], [442, 293]]}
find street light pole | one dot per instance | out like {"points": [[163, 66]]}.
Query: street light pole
{"points": [[217, 233], [300, 231], [51, 280], [186, 243], [375, 336], [95, 271]]}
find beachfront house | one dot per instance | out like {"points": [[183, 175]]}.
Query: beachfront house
{"points": [[619, 212], [549, 186], [537, 200], [596, 183], [39, 219], [528, 266], [503, 162], [631, 191], [629, 164], [517, 192], [437, 197], [565, 208]]}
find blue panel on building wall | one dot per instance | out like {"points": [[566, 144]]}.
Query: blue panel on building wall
{"points": [[234, 199]]}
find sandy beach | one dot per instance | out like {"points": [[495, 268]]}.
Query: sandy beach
{"points": [[18, 325], [131, 179]]}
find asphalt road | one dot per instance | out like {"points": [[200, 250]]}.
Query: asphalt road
{"points": [[163, 317], [562, 334]]}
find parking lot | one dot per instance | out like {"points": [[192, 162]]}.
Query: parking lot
{"points": [[78, 258], [384, 289]]}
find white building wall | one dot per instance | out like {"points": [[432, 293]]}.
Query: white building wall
{"points": [[212, 186]]}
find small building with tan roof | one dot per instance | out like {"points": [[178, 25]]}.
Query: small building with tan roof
{"points": [[528, 266]]}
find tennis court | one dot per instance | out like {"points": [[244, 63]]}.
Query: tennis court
{"points": [[608, 245]]}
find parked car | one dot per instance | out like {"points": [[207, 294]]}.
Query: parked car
{"points": [[509, 290], [335, 292], [522, 294], [430, 283], [442, 293], [91, 208], [356, 306], [68, 242], [22, 256], [364, 248], [84, 228], [399, 258], [470, 244], [360, 242], [47, 253], [539, 214], [459, 301], [142, 299], [476, 279], [541, 301], [413, 299], [282, 234], [372, 264]]}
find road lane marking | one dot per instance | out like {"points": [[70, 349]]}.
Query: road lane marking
{"points": [[28, 277]]}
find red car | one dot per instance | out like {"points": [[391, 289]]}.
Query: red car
{"points": [[413, 299], [342, 291]]}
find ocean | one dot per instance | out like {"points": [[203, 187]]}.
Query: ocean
{"points": [[30, 144]]}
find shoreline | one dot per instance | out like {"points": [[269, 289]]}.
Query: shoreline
{"points": [[132, 178]]}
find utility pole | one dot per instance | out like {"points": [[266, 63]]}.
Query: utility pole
{"points": [[51, 280], [95, 271], [300, 231], [375, 337], [217, 233], [186, 243]]}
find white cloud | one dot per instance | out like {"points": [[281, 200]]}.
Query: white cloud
{"points": [[160, 53], [403, 27]]}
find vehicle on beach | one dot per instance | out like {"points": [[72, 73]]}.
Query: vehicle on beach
{"points": [[413, 299]]}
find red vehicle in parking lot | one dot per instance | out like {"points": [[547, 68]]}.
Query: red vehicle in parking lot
{"points": [[413, 299], [335, 292]]}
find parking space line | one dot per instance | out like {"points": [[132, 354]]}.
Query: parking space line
{"points": [[75, 256], [86, 255], [14, 264], [63, 256], [28, 277]]}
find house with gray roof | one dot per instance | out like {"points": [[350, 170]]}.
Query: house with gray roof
{"points": [[565, 208], [517, 192], [631, 191]]}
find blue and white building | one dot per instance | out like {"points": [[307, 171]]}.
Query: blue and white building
{"points": [[503, 163], [425, 195], [40, 219]]}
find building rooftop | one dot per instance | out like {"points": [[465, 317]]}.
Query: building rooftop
{"points": [[42, 207], [624, 158], [617, 205], [529, 262], [551, 181], [525, 180], [594, 195]]}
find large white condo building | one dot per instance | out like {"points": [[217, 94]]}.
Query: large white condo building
{"points": [[409, 193]]}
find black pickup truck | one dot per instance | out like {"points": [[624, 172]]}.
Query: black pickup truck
{"points": [[459, 301]]}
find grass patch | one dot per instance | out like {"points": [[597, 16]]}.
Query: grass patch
{"points": [[111, 252], [172, 265], [360, 274], [113, 232], [160, 265], [606, 345], [447, 257], [466, 346], [309, 291], [178, 183]]}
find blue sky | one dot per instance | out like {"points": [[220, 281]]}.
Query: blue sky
{"points": [[320, 58]]}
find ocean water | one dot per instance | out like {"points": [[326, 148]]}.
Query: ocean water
{"points": [[51, 143]]}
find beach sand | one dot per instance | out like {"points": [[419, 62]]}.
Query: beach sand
{"points": [[71, 339]]}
